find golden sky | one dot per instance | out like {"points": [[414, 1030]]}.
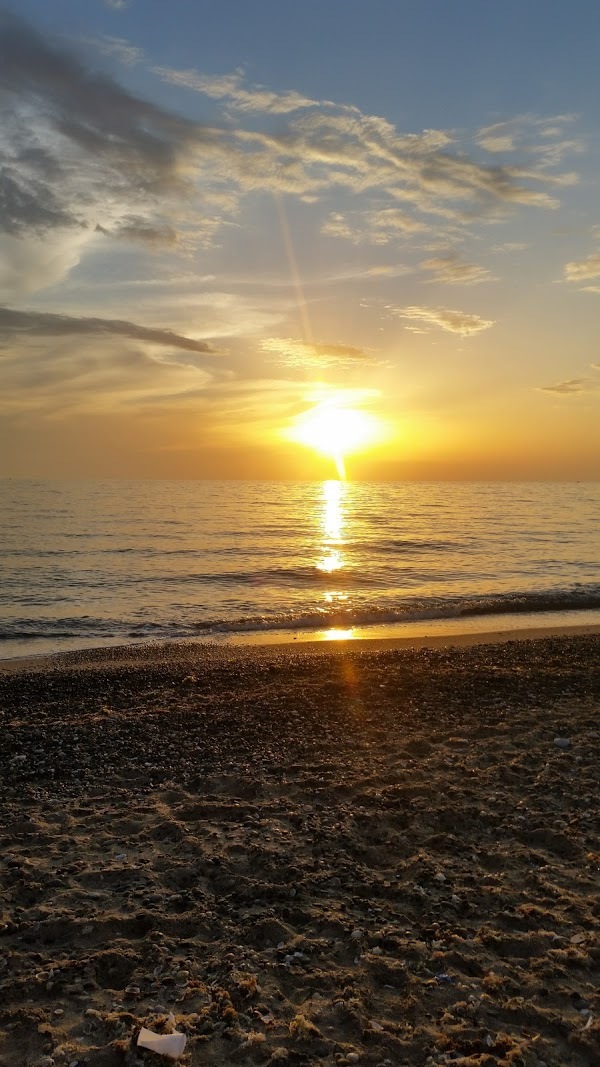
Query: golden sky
{"points": [[263, 243]]}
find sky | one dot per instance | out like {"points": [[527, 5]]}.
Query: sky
{"points": [[217, 217]]}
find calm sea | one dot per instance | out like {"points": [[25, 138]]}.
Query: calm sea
{"points": [[96, 563]]}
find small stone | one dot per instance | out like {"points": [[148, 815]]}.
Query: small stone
{"points": [[357, 934], [353, 1057], [439, 877], [562, 742], [59, 1011]]}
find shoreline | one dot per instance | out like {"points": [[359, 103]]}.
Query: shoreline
{"points": [[303, 856], [263, 644]]}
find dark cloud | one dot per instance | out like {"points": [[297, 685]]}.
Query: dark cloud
{"points": [[29, 324], [97, 134], [29, 204]]}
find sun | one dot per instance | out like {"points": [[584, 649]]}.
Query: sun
{"points": [[335, 430]]}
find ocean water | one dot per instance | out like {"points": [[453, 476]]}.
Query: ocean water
{"points": [[88, 564]]}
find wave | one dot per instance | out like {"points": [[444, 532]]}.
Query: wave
{"points": [[414, 609]]}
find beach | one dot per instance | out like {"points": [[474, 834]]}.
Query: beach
{"points": [[352, 854]]}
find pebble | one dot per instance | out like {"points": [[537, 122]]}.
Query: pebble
{"points": [[562, 742], [357, 934]]}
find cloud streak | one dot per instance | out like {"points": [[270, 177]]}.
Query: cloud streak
{"points": [[460, 322], [452, 270], [35, 324], [294, 353], [567, 388], [230, 88]]}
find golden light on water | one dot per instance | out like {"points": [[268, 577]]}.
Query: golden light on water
{"points": [[332, 520]]}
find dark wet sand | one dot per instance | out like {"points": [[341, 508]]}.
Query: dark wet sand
{"points": [[351, 855]]}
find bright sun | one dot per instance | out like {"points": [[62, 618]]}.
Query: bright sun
{"points": [[335, 430]]}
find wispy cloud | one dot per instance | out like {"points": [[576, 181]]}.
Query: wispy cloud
{"points": [[568, 388], [460, 322], [453, 270], [377, 227], [231, 89], [28, 324], [117, 47], [510, 246], [531, 135], [294, 353]]}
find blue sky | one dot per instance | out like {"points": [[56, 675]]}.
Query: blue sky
{"points": [[216, 215]]}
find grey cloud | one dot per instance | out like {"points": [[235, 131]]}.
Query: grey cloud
{"points": [[107, 144], [30, 324], [132, 228], [29, 204]]}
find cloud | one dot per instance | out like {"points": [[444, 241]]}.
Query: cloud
{"points": [[78, 152], [510, 246], [377, 227], [118, 47], [580, 270], [567, 388], [81, 154], [497, 143], [460, 322], [62, 376], [530, 135], [452, 270], [230, 88], [294, 353], [29, 324]]}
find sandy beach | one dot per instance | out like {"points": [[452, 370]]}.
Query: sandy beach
{"points": [[375, 855]]}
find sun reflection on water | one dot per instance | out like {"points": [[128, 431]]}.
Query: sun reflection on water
{"points": [[332, 521]]}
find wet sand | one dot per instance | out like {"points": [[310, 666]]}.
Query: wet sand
{"points": [[355, 854]]}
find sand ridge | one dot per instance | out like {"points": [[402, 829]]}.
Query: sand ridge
{"points": [[375, 857]]}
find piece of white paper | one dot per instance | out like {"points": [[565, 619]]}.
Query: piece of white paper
{"points": [[166, 1044]]}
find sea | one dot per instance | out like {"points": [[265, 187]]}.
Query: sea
{"points": [[88, 564]]}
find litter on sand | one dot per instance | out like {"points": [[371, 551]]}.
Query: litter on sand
{"points": [[171, 1045]]}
